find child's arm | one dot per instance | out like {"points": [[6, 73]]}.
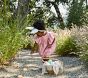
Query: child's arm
{"points": [[49, 45], [51, 39], [34, 48]]}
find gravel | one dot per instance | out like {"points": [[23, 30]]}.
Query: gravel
{"points": [[28, 66]]}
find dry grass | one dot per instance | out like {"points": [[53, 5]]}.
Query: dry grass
{"points": [[80, 37]]}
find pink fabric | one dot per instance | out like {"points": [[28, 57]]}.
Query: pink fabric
{"points": [[43, 42]]}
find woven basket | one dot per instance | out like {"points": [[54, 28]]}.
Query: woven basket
{"points": [[50, 69], [50, 72]]}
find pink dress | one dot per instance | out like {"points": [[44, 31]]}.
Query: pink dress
{"points": [[43, 42]]}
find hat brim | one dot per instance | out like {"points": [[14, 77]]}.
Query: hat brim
{"points": [[30, 28], [34, 31]]}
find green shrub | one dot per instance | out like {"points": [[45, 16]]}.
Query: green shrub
{"points": [[12, 35], [66, 46], [74, 41], [10, 42], [29, 42]]}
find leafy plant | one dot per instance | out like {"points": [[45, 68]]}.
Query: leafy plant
{"points": [[10, 42], [80, 35], [12, 23], [66, 46], [75, 15]]}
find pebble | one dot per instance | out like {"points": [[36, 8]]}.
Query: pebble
{"points": [[20, 76], [25, 69]]}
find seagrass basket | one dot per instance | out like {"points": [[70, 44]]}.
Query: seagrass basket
{"points": [[50, 69]]}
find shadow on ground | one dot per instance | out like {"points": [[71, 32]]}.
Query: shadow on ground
{"points": [[29, 67]]}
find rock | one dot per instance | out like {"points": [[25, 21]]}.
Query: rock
{"points": [[25, 69], [27, 66], [16, 65], [20, 76]]}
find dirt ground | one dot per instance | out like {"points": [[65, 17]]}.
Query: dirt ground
{"points": [[28, 66]]}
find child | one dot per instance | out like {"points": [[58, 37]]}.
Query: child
{"points": [[44, 40]]}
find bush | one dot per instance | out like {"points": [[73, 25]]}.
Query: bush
{"points": [[73, 41], [80, 35], [12, 36], [10, 42], [29, 43], [66, 46]]}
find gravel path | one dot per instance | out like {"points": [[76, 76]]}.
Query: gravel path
{"points": [[27, 66]]}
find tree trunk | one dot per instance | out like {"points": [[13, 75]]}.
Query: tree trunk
{"points": [[21, 12], [86, 4], [23, 8], [60, 19]]}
